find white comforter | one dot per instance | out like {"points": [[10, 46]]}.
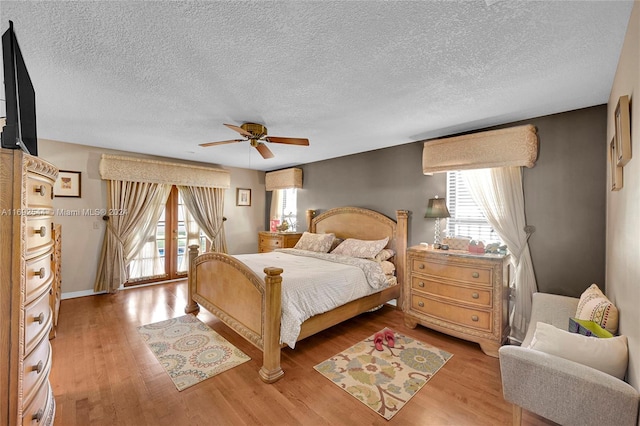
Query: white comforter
{"points": [[313, 283]]}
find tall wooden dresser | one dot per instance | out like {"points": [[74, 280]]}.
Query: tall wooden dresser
{"points": [[26, 214], [458, 293]]}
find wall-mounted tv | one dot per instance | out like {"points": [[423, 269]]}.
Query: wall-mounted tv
{"points": [[19, 132]]}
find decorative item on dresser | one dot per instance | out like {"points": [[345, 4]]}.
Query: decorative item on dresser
{"points": [[26, 204], [269, 241], [458, 293]]}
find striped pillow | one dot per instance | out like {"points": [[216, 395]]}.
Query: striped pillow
{"points": [[594, 306]]}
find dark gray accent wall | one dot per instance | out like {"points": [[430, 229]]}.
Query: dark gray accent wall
{"points": [[564, 195]]}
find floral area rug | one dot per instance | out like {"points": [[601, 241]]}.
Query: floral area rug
{"points": [[384, 380], [189, 350]]}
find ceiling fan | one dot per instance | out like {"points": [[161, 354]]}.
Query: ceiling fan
{"points": [[256, 134]]}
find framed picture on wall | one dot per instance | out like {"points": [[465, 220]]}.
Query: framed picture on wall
{"points": [[623, 131], [68, 184], [616, 171], [243, 197]]}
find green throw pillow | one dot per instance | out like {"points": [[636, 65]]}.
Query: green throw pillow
{"points": [[587, 328]]}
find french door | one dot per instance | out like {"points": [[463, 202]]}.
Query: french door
{"points": [[165, 256]]}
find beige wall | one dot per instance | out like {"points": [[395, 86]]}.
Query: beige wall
{"points": [[82, 235], [623, 207]]}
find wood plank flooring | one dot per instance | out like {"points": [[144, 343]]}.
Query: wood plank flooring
{"points": [[104, 374]]}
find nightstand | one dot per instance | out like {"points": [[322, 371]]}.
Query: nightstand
{"points": [[458, 293], [269, 241]]}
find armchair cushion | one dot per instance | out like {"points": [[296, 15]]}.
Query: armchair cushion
{"points": [[607, 355]]}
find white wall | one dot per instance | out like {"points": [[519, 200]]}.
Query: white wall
{"points": [[623, 207], [82, 235]]}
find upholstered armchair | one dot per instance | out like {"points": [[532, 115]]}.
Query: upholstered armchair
{"points": [[560, 390]]}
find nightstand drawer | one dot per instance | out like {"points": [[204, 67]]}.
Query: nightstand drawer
{"points": [[473, 296], [272, 243], [454, 272], [453, 314]]}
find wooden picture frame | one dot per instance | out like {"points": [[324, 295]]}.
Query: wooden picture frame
{"points": [[243, 197], [623, 131], [616, 171], [68, 184]]}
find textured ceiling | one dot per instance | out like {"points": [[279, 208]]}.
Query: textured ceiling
{"points": [[162, 77]]}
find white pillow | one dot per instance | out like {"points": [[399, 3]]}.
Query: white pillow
{"points": [[315, 242], [607, 355], [364, 249]]}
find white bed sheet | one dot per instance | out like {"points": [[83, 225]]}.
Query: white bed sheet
{"points": [[312, 285]]}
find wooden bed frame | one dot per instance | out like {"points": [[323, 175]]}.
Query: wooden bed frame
{"points": [[251, 305]]}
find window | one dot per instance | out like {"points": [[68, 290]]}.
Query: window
{"points": [[467, 220], [284, 208]]}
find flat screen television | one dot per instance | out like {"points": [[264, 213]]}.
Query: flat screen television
{"points": [[19, 131]]}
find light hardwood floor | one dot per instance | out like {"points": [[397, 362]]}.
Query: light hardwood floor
{"points": [[103, 373]]}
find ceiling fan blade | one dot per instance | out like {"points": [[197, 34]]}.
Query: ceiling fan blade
{"points": [[264, 151], [221, 142], [240, 130], [290, 141]]}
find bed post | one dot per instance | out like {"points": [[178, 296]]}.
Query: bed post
{"points": [[192, 307], [271, 369], [402, 220]]}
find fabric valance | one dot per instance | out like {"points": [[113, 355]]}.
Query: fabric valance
{"points": [[283, 179], [514, 146], [113, 167]]}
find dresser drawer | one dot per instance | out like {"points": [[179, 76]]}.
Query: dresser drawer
{"points": [[37, 320], [38, 276], [454, 272], [38, 236], [36, 370], [272, 243], [42, 408], [480, 296], [454, 314], [39, 192]]}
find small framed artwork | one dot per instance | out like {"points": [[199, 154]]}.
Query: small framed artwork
{"points": [[68, 184], [243, 197], [623, 131], [616, 171]]}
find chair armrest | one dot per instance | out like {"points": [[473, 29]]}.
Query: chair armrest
{"points": [[552, 309], [565, 391]]}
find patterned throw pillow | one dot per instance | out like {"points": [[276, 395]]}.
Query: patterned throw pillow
{"points": [[363, 249], [384, 254], [594, 306], [315, 242]]}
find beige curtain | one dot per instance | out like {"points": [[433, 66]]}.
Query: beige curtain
{"points": [[207, 207], [193, 236], [500, 195], [277, 204], [126, 234]]}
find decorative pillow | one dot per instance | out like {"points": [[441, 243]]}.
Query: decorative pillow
{"points": [[594, 306], [587, 328], [387, 267], [363, 249], [607, 355], [315, 242], [384, 254]]}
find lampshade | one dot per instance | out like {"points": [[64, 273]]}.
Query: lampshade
{"points": [[437, 208], [283, 179]]}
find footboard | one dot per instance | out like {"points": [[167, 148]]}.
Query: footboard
{"points": [[245, 302]]}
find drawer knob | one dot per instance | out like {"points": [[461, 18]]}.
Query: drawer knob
{"points": [[474, 318], [39, 319], [41, 190], [38, 415], [41, 273], [421, 284], [475, 295], [39, 367], [475, 275], [42, 231], [421, 304], [421, 266]]}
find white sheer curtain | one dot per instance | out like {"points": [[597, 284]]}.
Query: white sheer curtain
{"points": [[207, 207], [500, 195], [193, 237], [141, 205]]}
